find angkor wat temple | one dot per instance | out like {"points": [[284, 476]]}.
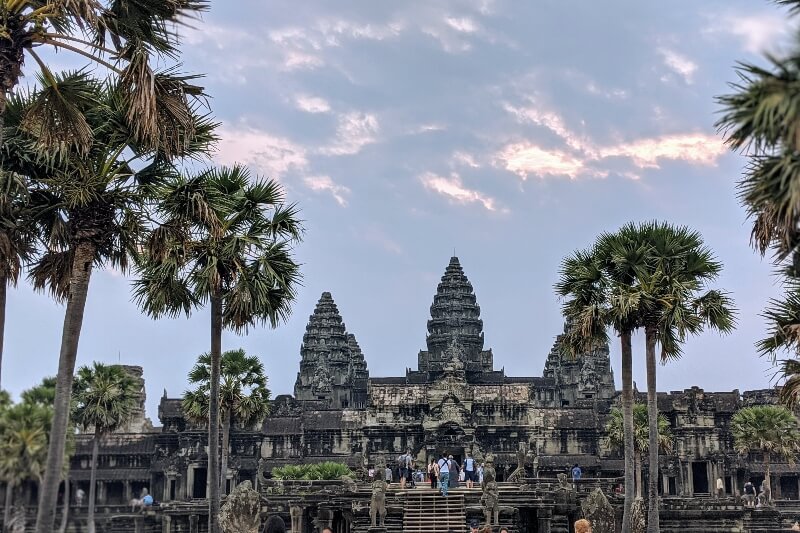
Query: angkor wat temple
{"points": [[455, 401]]}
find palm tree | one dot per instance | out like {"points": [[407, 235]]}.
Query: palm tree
{"points": [[674, 303], [25, 430], [598, 285], [759, 119], [244, 396], [89, 209], [16, 237], [641, 432], [768, 429], [225, 240], [127, 38], [106, 397]]}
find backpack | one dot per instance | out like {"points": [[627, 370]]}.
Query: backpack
{"points": [[401, 461], [749, 488], [407, 460], [469, 464]]}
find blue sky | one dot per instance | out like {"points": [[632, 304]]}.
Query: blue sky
{"points": [[510, 132]]}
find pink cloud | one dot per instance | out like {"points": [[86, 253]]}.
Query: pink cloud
{"points": [[454, 189], [270, 154], [693, 148], [525, 158], [326, 184]]}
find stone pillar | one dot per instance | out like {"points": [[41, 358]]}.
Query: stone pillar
{"points": [[127, 492], [776, 494], [544, 517], [101, 492], [193, 524], [166, 524], [296, 512], [187, 489], [664, 485]]}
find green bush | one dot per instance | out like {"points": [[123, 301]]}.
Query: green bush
{"points": [[326, 471]]}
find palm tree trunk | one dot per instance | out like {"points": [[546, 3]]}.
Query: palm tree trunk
{"points": [[65, 512], [637, 461], [627, 425], [226, 446], [73, 320], [652, 423], [213, 414], [8, 503], [3, 290], [93, 480], [767, 481]]}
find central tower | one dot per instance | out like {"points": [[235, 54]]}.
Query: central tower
{"points": [[455, 320]]}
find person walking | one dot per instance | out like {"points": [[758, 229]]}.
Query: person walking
{"points": [[480, 475], [470, 475], [405, 468], [387, 472], [749, 493], [433, 472], [576, 475], [583, 526], [444, 474], [454, 472]]}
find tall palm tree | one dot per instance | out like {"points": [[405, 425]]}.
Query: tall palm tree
{"points": [[16, 238], [599, 292], [106, 397], [224, 239], [89, 209], [674, 303], [766, 429], [127, 38], [23, 448], [641, 431], [760, 120], [244, 396]]}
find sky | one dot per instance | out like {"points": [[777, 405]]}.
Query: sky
{"points": [[508, 133]]}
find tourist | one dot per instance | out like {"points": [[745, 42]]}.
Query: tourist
{"points": [[387, 475], [433, 472], [583, 526], [327, 530], [454, 472], [749, 493], [473, 526], [796, 526], [79, 496], [147, 500], [469, 471], [405, 468], [720, 488], [503, 529], [480, 475], [486, 529], [462, 477], [576, 475], [444, 474], [371, 474]]}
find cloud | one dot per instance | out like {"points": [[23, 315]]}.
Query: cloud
{"points": [[757, 33], [464, 159], [454, 189], [680, 64], [376, 235], [326, 184], [550, 120], [312, 104], [693, 148], [611, 94], [525, 158], [462, 24], [354, 131], [270, 154]]}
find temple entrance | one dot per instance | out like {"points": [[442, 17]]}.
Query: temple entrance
{"points": [[789, 488], [699, 477], [200, 483]]}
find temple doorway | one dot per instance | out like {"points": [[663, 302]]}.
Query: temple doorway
{"points": [[200, 483], [699, 477], [789, 488]]}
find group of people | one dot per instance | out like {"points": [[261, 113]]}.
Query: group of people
{"points": [[581, 526], [445, 473]]}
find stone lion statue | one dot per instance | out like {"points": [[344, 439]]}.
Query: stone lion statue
{"points": [[377, 505]]}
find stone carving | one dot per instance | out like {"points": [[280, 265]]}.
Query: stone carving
{"points": [[377, 505], [323, 381], [522, 453], [296, 513], [490, 500], [599, 512], [563, 482], [17, 522], [587, 380], [241, 512], [638, 516]]}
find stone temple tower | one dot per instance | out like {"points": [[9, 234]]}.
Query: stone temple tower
{"points": [[333, 371], [455, 318]]}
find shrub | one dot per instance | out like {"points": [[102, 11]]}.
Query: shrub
{"points": [[328, 470]]}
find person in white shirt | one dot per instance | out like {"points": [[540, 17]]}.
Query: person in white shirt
{"points": [[444, 474]]}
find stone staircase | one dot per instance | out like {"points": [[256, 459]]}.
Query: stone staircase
{"points": [[427, 511]]}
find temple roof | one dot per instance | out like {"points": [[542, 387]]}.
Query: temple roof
{"points": [[325, 338], [455, 313]]}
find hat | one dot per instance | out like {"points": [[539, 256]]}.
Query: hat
{"points": [[473, 524]]}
